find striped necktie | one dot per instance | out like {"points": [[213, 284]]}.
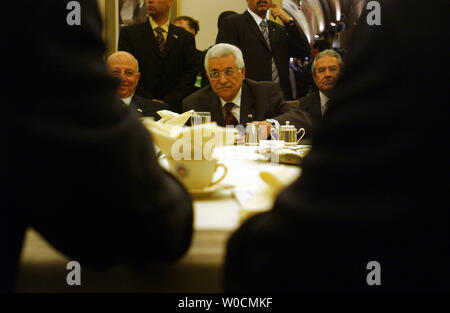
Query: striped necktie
{"points": [[160, 38], [265, 32]]}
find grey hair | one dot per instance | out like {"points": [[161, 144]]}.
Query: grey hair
{"points": [[329, 53], [121, 54], [223, 50]]}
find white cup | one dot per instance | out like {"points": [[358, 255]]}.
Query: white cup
{"points": [[196, 174]]}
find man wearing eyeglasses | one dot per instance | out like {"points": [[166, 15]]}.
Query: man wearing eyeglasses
{"points": [[233, 99], [325, 69]]}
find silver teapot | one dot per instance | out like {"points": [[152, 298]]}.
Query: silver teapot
{"points": [[288, 133]]}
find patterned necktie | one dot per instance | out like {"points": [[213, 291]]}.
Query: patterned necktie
{"points": [[160, 38], [229, 117], [265, 32]]}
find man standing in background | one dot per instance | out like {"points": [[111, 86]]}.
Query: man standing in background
{"points": [[266, 45], [166, 54]]}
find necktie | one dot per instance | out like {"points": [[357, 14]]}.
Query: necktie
{"points": [[325, 107], [265, 32], [229, 117], [160, 38]]}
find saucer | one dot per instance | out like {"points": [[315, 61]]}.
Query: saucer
{"points": [[210, 190]]}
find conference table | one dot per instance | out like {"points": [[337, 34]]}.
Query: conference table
{"points": [[218, 212]]}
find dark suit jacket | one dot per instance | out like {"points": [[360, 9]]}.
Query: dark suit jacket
{"points": [[168, 76], [289, 41], [148, 107], [78, 165], [259, 101], [311, 105], [371, 187]]}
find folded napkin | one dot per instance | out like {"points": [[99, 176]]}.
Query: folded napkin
{"points": [[285, 155], [172, 118], [182, 142], [263, 198]]}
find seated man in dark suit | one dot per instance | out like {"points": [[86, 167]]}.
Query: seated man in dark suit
{"points": [[125, 67], [232, 99], [325, 70], [369, 213]]}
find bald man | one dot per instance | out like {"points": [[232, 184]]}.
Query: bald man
{"points": [[124, 66]]}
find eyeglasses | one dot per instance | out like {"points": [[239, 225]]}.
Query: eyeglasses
{"points": [[229, 72]]}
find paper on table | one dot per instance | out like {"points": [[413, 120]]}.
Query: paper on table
{"points": [[264, 197]]}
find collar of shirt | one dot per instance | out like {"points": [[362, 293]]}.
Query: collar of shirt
{"points": [[164, 26], [256, 17], [127, 100], [323, 99], [237, 105]]}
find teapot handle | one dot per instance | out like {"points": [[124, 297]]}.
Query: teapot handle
{"points": [[303, 134]]}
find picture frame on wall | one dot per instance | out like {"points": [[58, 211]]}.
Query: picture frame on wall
{"points": [[132, 12]]}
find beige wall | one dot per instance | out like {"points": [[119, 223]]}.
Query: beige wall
{"points": [[207, 12]]}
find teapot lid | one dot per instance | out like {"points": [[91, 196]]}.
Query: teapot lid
{"points": [[287, 126]]}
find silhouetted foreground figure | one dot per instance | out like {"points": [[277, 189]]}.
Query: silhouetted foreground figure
{"points": [[371, 186], [78, 167]]}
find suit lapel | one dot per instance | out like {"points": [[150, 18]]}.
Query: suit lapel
{"points": [[256, 30], [273, 35], [316, 109], [247, 113], [172, 38], [135, 104], [215, 108]]}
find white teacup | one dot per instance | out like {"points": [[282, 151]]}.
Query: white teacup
{"points": [[196, 174]]}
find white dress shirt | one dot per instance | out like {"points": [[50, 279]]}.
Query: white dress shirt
{"points": [[256, 17], [127, 100]]}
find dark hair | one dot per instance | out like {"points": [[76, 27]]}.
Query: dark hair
{"points": [[321, 45], [193, 24], [224, 15]]}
